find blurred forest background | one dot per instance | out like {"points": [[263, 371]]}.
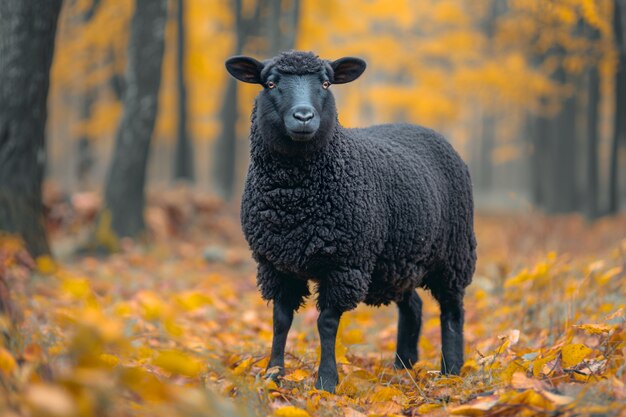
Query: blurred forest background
{"points": [[531, 92], [525, 89]]}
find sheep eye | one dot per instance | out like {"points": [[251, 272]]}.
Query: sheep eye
{"points": [[325, 85], [271, 84]]}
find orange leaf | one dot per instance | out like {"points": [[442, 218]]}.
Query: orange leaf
{"points": [[7, 362], [297, 375]]}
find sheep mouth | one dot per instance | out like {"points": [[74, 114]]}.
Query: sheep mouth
{"points": [[302, 135]]}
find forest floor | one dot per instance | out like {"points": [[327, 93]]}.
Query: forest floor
{"points": [[174, 326]]}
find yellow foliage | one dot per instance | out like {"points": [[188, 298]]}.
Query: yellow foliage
{"points": [[7, 362], [297, 376], [76, 287], [193, 300], [152, 306], [46, 265], [382, 394], [243, 366], [178, 362], [155, 337], [105, 235], [110, 360], [290, 411], [573, 354], [598, 329]]}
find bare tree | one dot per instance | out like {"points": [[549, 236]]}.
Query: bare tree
{"points": [[279, 29], [619, 124], [183, 156], [27, 33], [124, 189], [592, 209]]}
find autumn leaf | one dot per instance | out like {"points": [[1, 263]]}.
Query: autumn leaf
{"points": [[46, 265], [297, 376], [243, 366], [573, 354], [290, 411], [596, 328], [382, 394], [50, 400], [476, 408], [7, 362], [178, 362], [351, 412]]}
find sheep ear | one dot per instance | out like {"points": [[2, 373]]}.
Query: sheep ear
{"points": [[245, 68], [347, 69]]}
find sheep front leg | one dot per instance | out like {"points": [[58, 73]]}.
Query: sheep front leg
{"points": [[283, 317], [340, 290], [409, 325], [327, 325], [288, 294]]}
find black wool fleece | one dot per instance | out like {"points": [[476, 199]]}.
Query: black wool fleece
{"points": [[369, 214]]}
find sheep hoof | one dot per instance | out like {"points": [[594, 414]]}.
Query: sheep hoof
{"points": [[452, 369], [275, 374], [327, 384], [404, 363]]}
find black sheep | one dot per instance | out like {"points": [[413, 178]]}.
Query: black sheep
{"points": [[368, 214]]}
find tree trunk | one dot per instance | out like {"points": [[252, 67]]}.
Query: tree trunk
{"points": [[537, 132], [124, 190], [562, 196], [225, 150], [282, 28], [487, 144], [593, 102], [224, 160], [27, 32], [84, 149], [619, 120], [183, 159]]}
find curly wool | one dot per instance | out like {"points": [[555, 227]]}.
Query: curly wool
{"points": [[375, 213], [298, 63]]}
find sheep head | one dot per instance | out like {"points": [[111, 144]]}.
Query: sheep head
{"points": [[296, 109]]}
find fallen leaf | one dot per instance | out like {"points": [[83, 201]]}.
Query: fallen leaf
{"points": [[351, 412], [387, 394], [557, 398], [50, 400], [7, 362], [179, 363], [297, 375], [519, 380], [476, 408], [595, 328], [573, 354], [46, 265], [290, 411]]}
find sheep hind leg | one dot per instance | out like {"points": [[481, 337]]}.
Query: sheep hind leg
{"points": [[409, 325], [452, 316]]}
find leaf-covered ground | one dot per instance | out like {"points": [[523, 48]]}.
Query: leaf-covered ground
{"points": [[175, 327]]}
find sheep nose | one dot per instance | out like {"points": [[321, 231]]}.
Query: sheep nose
{"points": [[303, 114]]}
